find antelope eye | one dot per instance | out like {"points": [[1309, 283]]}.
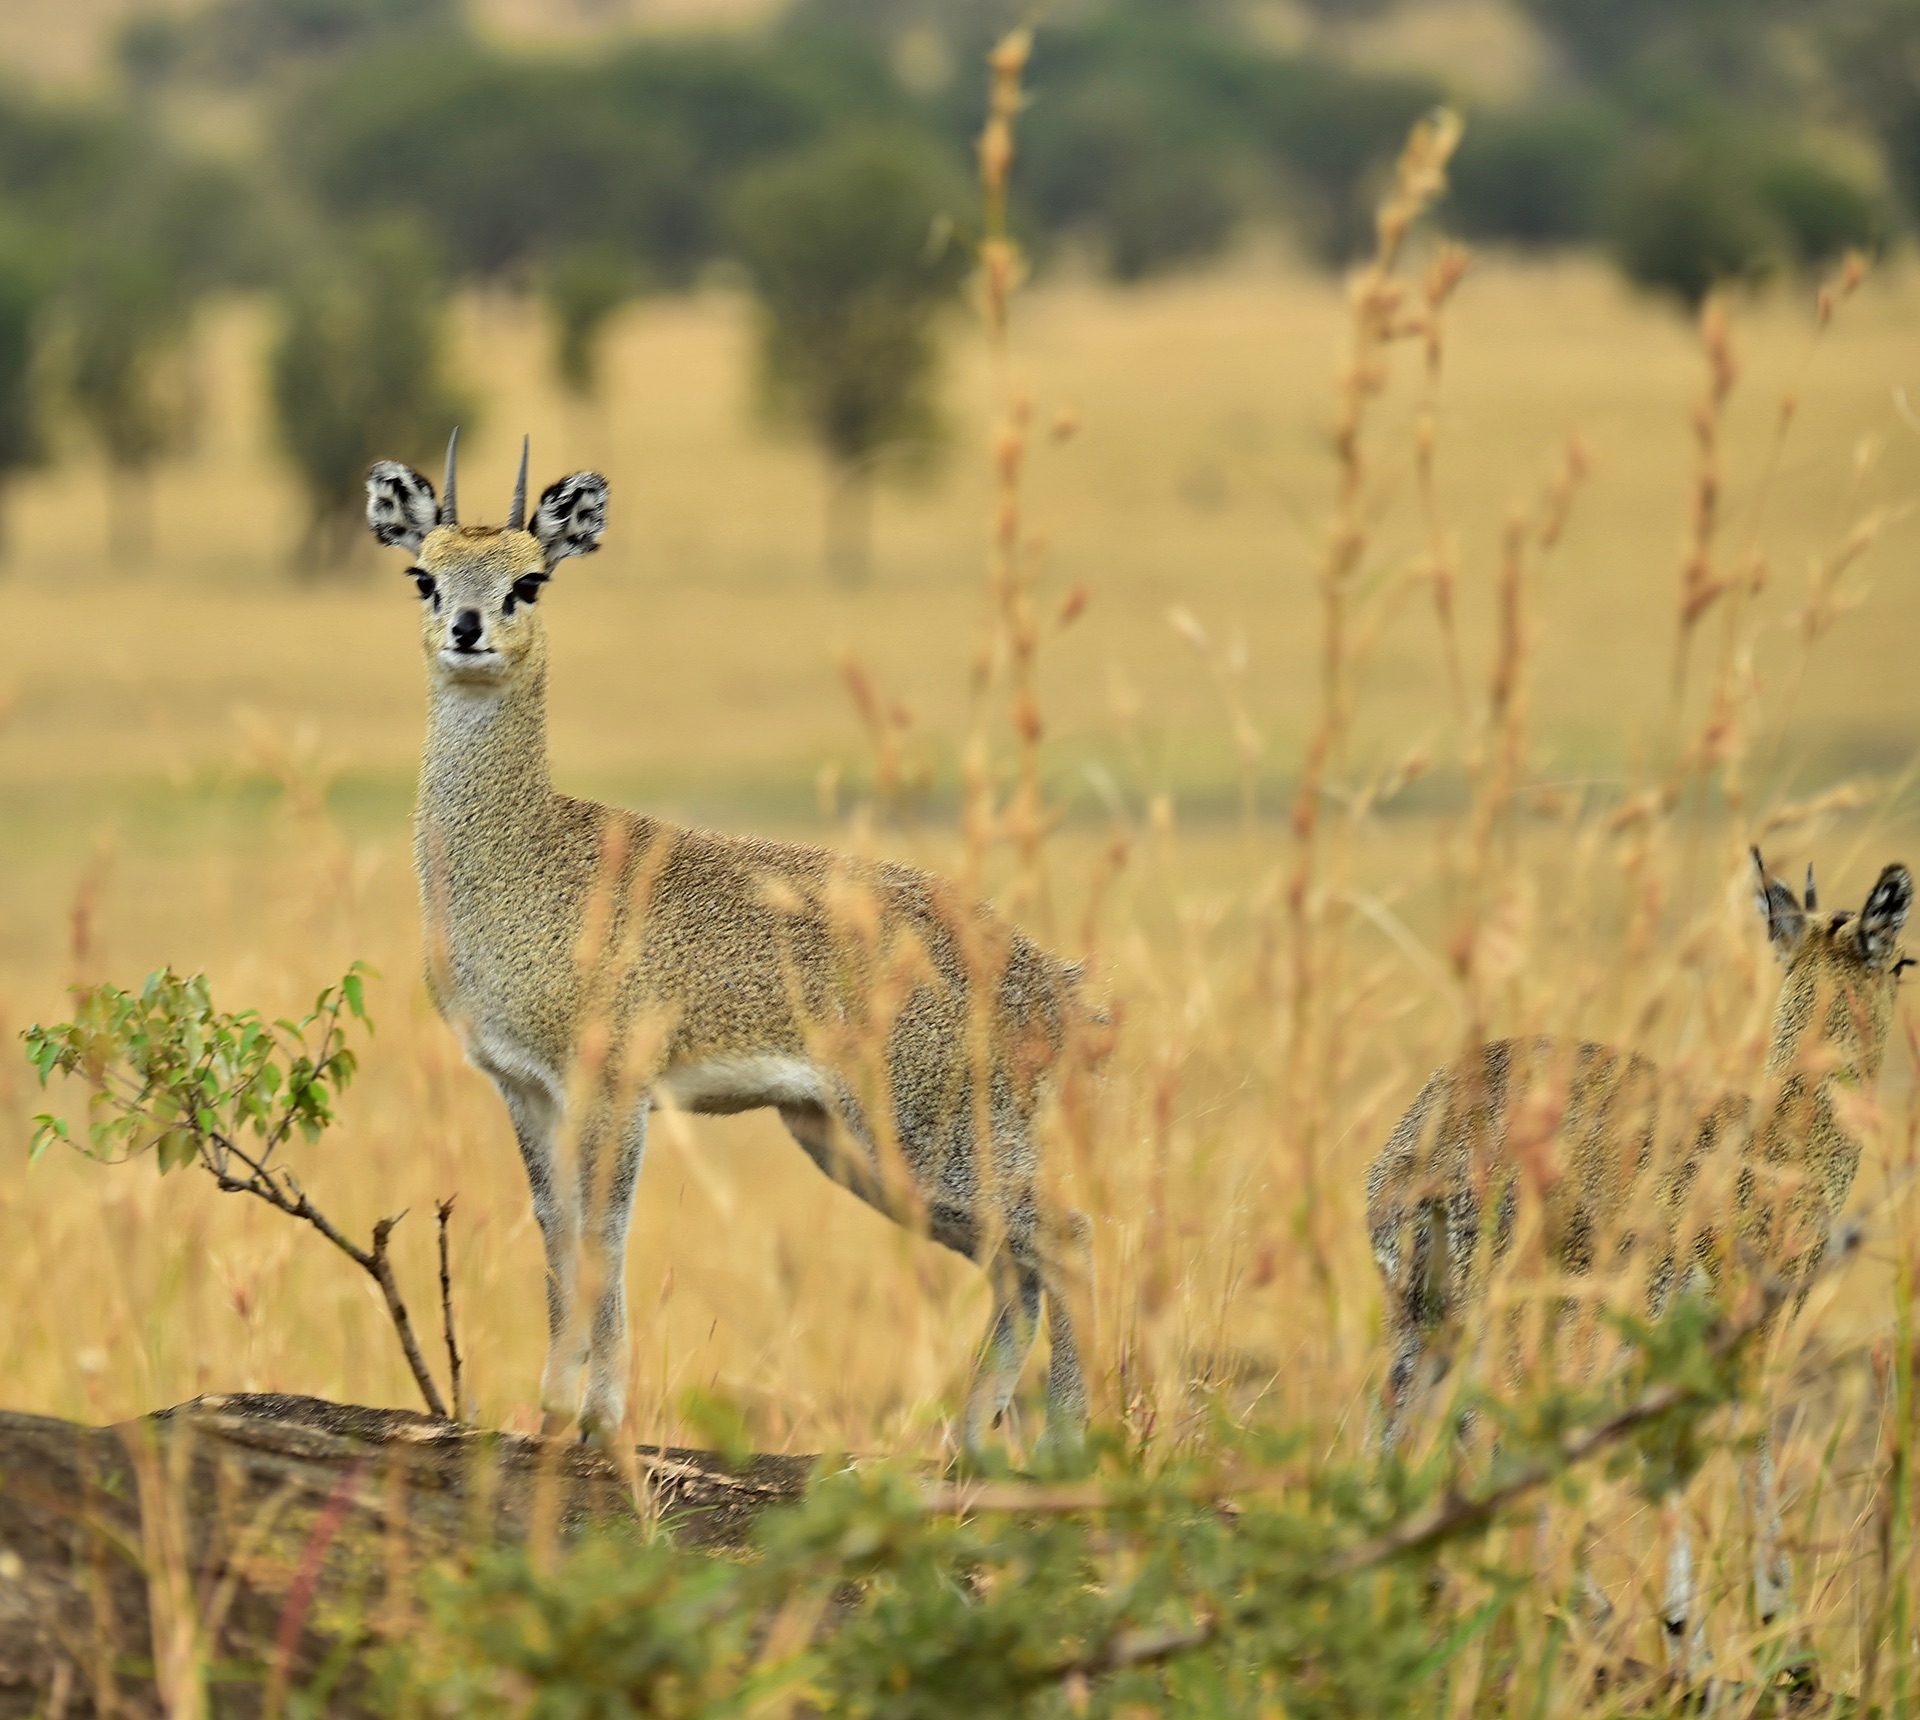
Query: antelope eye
{"points": [[527, 589], [424, 582]]}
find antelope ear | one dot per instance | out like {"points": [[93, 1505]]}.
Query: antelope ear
{"points": [[571, 517], [400, 505], [1884, 914], [1780, 908]]}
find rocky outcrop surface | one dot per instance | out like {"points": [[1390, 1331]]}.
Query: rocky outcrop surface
{"points": [[246, 1545]]}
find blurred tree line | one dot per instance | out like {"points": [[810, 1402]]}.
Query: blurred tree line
{"points": [[390, 155]]}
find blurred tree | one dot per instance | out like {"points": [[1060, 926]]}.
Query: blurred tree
{"points": [[1347, 11], [1155, 128], [357, 376], [845, 250], [57, 163], [23, 302], [508, 163], [238, 41], [1687, 217], [170, 229], [1823, 210], [1109, 161], [1874, 48], [1334, 134], [932, 48], [1654, 47], [1534, 175], [127, 317], [583, 288], [1731, 203]]}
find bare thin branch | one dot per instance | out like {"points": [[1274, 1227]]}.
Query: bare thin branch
{"points": [[443, 1212], [284, 1194], [382, 1270]]}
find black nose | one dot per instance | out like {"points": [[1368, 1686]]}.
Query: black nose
{"points": [[466, 629]]}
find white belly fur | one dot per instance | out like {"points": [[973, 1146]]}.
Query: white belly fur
{"points": [[744, 1082]]}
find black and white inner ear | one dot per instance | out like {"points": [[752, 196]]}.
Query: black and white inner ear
{"points": [[1888, 903], [571, 517], [1780, 908], [400, 504]]}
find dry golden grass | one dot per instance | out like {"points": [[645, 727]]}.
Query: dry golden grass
{"points": [[207, 764]]}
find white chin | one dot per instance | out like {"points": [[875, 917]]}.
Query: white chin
{"points": [[472, 665]]}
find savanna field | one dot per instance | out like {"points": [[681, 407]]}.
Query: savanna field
{"points": [[206, 761]]}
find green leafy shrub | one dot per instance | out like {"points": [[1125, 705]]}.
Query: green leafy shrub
{"points": [[1243, 1575], [171, 1076]]}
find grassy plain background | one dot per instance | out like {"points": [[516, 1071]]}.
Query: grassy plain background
{"points": [[207, 763]]}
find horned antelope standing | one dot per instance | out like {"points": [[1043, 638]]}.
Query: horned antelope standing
{"points": [[725, 971], [1450, 1163]]}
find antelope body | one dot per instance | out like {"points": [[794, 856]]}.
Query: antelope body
{"points": [[596, 962], [1453, 1160]]}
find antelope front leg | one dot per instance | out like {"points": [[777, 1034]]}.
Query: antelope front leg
{"points": [[607, 1187], [536, 1124], [1681, 1615], [1016, 1321], [1772, 1573]]}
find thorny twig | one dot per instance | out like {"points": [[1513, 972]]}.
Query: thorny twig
{"points": [[281, 1191], [443, 1212]]}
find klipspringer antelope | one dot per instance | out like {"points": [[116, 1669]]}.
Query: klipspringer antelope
{"points": [[728, 974], [1449, 1164]]}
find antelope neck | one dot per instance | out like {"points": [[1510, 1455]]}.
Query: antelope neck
{"points": [[483, 775]]}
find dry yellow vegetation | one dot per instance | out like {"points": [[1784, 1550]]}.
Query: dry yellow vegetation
{"points": [[206, 763]]}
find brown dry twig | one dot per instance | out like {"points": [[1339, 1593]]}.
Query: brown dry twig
{"points": [[280, 1189], [443, 1214]]}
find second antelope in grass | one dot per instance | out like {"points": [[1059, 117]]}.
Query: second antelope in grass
{"points": [[1589, 1121], [596, 963]]}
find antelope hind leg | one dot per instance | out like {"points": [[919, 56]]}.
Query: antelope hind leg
{"points": [[1066, 1383]]}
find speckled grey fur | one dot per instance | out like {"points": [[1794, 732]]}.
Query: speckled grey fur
{"points": [[1596, 1122], [1611, 1117], [717, 972]]}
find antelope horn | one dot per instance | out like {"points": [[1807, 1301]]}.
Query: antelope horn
{"points": [[1813, 896], [449, 508], [517, 515]]}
